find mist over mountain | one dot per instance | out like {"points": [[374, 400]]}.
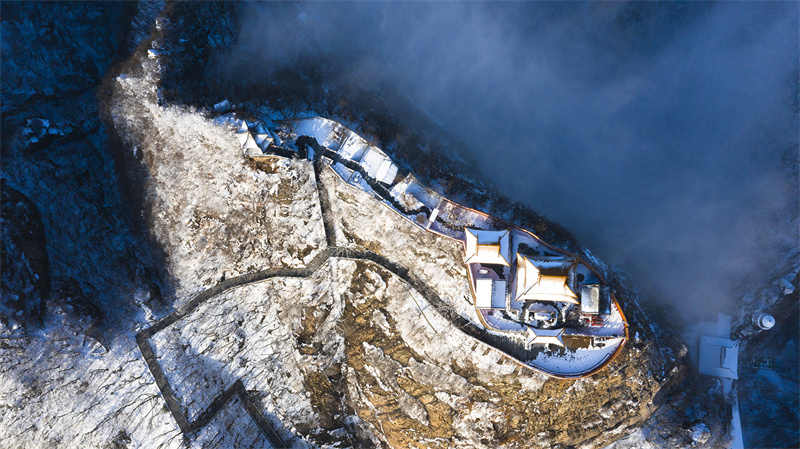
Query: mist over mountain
{"points": [[189, 259], [664, 137]]}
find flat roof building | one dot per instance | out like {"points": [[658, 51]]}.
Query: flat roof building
{"points": [[595, 299], [490, 294], [719, 357]]}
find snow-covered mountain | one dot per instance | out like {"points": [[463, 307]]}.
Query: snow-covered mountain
{"points": [[159, 289]]}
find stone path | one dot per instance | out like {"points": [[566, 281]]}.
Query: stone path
{"points": [[237, 389], [331, 251]]}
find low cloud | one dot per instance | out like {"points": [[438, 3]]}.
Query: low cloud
{"points": [[663, 135]]}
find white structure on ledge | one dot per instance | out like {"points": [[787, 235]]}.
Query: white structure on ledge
{"points": [[719, 357], [349, 145], [595, 299], [378, 166], [718, 354], [490, 294]]}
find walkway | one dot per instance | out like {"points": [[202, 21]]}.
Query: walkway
{"points": [[515, 350], [237, 389]]}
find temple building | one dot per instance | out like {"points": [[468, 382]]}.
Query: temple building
{"points": [[533, 286], [545, 336], [487, 247], [487, 252]]}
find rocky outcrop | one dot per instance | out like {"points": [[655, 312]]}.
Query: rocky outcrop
{"points": [[25, 265]]}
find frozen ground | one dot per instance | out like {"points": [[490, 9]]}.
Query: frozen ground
{"points": [[577, 360], [216, 215], [61, 388]]}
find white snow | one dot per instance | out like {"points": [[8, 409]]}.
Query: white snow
{"points": [[344, 173], [378, 166], [612, 325], [399, 193], [348, 144], [390, 234], [319, 128], [216, 215], [243, 334], [215, 435], [700, 433], [75, 392], [423, 194], [575, 360]]}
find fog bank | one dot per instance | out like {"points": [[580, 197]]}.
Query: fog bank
{"points": [[663, 135]]}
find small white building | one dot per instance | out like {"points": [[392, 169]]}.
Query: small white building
{"points": [[250, 147], [719, 357], [490, 294], [595, 299], [718, 354], [487, 247], [241, 128]]}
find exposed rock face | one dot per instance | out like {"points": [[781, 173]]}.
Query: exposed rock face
{"points": [[769, 377], [25, 265]]}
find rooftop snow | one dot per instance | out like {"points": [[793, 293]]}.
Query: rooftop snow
{"points": [[719, 357], [487, 247]]}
